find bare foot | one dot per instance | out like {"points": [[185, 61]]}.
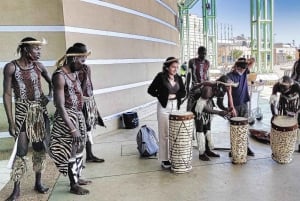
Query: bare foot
{"points": [[15, 194], [13, 197], [76, 189]]}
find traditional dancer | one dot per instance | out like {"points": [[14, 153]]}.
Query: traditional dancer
{"points": [[23, 77], [90, 110], [68, 134], [204, 108]]}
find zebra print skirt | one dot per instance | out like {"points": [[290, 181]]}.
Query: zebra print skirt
{"points": [[61, 146], [33, 115]]}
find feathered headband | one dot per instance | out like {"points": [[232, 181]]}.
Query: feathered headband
{"points": [[60, 62]]}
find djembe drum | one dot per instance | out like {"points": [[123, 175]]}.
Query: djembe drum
{"points": [[239, 139], [283, 138], [181, 126]]}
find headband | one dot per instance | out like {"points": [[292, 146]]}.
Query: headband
{"points": [[171, 60], [34, 42], [60, 62]]}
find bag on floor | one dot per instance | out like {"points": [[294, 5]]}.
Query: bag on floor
{"points": [[147, 144]]}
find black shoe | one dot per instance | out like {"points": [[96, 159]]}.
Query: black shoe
{"points": [[230, 154], [94, 159], [211, 154], [299, 148], [250, 152], [203, 157], [166, 164]]}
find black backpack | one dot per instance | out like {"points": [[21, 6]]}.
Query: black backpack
{"points": [[147, 143]]}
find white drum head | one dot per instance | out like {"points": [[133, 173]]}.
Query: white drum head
{"points": [[284, 121]]}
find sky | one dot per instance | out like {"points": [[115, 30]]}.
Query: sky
{"points": [[237, 14]]}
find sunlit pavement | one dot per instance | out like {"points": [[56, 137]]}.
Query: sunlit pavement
{"points": [[126, 177]]}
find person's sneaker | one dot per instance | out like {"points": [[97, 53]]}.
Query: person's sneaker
{"points": [[203, 157], [211, 154], [166, 164], [250, 152]]}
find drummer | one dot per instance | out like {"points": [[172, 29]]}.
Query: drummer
{"points": [[240, 94], [289, 101], [203, 110]]}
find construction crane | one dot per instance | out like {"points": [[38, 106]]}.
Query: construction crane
{"points": [[209, 29]]}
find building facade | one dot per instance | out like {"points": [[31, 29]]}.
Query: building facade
{"points": [[129, 40]]}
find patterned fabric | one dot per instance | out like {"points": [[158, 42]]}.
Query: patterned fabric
{"points": [[33, 114], [91, 113], [203, 119], [26, 83], [199, 71], [288, 104], [61, 140], [19, 169], [38, 160], [72, 91]]}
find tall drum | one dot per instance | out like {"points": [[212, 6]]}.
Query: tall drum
{"points": [[238, 139], [181, 126], [283, 138]]}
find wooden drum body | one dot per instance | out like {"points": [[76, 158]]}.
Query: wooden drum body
{"points": [[239, 139], [181, 126], [283, 138]]}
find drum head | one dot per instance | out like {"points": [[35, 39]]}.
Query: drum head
{"points": [[284, 121], [238, 121], [181, 115]]}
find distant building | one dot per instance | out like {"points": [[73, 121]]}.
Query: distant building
{"points": [[284, 53], [195, 39], [226, 48]]}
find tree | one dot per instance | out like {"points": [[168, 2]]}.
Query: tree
{"points": [[236, 53], [289, 57]]}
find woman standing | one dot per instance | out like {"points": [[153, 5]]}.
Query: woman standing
{"points": [[169, 89]]}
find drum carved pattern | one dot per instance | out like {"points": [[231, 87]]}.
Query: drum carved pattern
{"points": [[180, 143], [283, 145], [238, 141]]}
